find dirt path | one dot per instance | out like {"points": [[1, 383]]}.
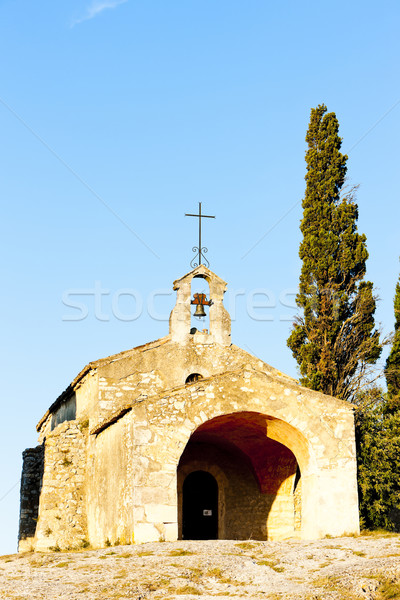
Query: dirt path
{"points": [[343, 568]]}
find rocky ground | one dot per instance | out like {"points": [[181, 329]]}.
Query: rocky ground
{"points": [[365, 567]]}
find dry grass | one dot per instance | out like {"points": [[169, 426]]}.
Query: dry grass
{"points": [[122, 573], [216, 573], [390, 591], [8, 557], [332, 584], [187, 590], [329, 582], [272, 564], [91, 568], [378, 533], [245, 546], [180, 552]]}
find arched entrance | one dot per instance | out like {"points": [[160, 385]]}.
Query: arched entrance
{"points": [[257, 475], [200, 507]]}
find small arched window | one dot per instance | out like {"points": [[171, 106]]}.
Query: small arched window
{"points": [[193, 377]]}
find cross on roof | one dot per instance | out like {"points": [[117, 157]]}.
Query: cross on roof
{"points": [[199, 250]]}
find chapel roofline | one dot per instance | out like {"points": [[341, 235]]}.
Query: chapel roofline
{"points": [[281, 378], [200, 271], [93, 366]]}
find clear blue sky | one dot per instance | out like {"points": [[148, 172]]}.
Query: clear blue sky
{"points": [[118, 117]]}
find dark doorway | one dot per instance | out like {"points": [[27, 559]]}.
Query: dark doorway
{"points": [[200, 507]]}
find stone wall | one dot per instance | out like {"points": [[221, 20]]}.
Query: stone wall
{"points": [[31, 485], [62, 515], [110, 480], [319, 431], [149, 371]]}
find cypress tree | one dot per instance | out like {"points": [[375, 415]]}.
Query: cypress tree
{"points": [[392, 368], [334, 339], [378, 462], [378, 442]]}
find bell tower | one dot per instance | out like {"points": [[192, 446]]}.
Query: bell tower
{"points": [[180, 319]]}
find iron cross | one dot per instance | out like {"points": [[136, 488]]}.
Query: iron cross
{"points": [[200, 251]]}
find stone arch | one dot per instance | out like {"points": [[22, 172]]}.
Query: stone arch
{"points": [[265, 424], [193, 377], [222, 481], [256, 459], [320, 437]]}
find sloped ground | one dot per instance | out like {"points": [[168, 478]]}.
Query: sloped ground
{"points": [[366, 567]]}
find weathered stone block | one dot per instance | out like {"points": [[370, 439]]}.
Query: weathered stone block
{"points": [[146, 532], [160, 513]]}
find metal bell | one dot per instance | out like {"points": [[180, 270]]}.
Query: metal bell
{"points": [[199, 312]]}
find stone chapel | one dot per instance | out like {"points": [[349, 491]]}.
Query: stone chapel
{"points": [[188, 437]]}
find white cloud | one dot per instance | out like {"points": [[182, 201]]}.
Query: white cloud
{"points": [[97, 7]]}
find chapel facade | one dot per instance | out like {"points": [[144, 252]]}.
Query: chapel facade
{"points": [[188, 437]]}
